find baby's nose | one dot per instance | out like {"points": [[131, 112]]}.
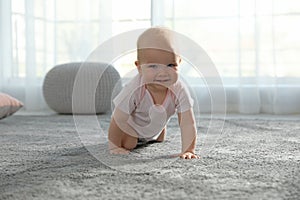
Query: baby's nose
{"points": [[163, 72]]}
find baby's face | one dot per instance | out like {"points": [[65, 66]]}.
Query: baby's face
{"points": [[158, 67]]}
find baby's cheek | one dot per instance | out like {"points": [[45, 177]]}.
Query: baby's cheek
{"points": [[150, 75], [148, 78], [175, 77]]}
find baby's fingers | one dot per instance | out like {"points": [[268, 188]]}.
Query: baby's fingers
{"points": [[121, 151], [189, 156]]}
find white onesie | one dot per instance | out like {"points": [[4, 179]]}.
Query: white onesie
{"points": [[146, 118]]}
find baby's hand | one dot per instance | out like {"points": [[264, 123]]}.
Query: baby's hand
{"points": [[188, 155], [119, 150]]}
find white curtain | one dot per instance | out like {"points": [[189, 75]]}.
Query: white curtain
{"points": [[254, 45], [38, 34]]}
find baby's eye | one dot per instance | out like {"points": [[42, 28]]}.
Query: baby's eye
{"points": [[171, 65], [152, 66]]}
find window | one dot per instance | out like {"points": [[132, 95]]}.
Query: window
{"points": [[245, 38], [54, 34]]}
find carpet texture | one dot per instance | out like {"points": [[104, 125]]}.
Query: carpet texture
{"points": [[52, 157]]}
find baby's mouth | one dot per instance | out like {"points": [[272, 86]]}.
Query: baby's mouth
{"points": [[162, 81]]}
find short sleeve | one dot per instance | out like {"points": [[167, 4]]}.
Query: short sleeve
{"points": [[127, 99], [184, 101]]}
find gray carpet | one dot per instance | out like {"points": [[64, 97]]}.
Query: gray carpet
{"points": [[48, 157]]}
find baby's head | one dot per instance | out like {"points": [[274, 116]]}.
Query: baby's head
{"points": [[155, 38], [156, 50]]}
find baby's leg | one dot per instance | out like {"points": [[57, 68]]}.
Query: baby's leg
{"points": [[120, 139], [129, 142]]}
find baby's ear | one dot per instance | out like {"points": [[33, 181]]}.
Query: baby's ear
{"points": [[179, 60], [138, 66]]}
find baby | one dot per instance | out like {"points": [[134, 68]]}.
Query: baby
{"points": [[145, 105]]}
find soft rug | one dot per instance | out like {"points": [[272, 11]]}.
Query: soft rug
{"points": [[62, 157]]}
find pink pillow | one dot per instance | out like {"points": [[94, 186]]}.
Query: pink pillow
{"points": [[8, 105]]}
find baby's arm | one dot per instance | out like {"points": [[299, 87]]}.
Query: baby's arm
{"points": [[162, 135], [121, 136], [188, 134]]}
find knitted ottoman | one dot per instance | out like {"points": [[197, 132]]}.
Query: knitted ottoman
{"points": [[59, 84]]}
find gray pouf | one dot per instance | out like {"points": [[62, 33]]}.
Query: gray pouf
{"points": [[59, 83]]}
